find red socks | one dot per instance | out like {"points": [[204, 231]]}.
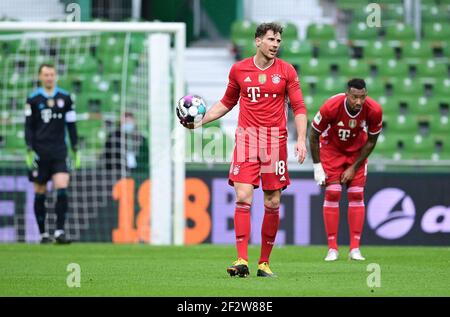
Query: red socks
{"points": [[331, 213], [356, 211], [269, 230], [242, 229]]}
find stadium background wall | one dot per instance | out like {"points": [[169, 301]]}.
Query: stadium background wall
{"points": [[401, 209]]}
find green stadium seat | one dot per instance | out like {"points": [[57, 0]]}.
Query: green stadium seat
{"points": [[420, 147], [331, 86], [311, 105], [296, 48], [111, 43], [91, 134], [378, 49], [442, 88], [290, 32], [416, 51], [434, 14], [425, 107], [375, 87], [97, 102], [83, 64], [409, 87], [392, 13], [354, 68], [12, 138], [361, 32], [390, 106], [11, 46], [296, 52], [436, 31], [320, 32], [404, 124], [400, 32], [389, 146], [115, 64], [137, 43], [242, 32], [316, 67], [26, 46], [66, 45], [328, 49], [17, 81], [391, 68], [440, 125], [432, 69]]}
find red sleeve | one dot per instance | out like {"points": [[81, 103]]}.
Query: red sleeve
{"points": [[231, 96], [295, 92], [321, 119], [375, 120]]}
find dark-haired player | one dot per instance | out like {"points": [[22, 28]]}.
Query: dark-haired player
{"points": [[262, 84], [343, 134], [48, 113]]}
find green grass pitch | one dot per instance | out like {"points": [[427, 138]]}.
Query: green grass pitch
{"points": [[141, 270]]}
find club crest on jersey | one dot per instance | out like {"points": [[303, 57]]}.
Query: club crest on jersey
{"points": [[46, 115], [50, 103], [276, 79], [318, 118], [352, 123], [60, 103], [363, 124], [262, 78]]}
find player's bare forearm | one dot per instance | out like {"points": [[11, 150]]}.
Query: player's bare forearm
{"points": [[366, 150], [314, 145], [217, 111], [301, 123], [300, 147]]}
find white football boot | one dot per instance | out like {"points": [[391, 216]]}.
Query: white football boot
{"points": [[356, 255], [332, 255]]}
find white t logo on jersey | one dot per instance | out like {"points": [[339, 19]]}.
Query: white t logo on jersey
{"points": [[253, 93], [343, 134], [46, 115]]}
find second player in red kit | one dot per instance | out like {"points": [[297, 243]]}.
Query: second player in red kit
{"points": [[262, 85], [348, 126]]}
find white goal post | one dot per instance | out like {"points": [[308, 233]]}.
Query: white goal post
{"points": [[167, 190]]}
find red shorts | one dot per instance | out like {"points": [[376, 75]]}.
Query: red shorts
{"points": [[335, 163], [251, 165]]}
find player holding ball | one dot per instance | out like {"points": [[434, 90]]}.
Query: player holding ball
{"points": [[262, 84]]}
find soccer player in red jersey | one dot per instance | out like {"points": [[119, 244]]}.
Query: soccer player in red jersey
{"points": [[261, 84], [343, 134]]}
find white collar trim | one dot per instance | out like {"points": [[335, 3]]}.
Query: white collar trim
{"points": [[273, 61], [346, 110]]}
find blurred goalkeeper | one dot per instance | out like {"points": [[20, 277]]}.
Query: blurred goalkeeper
{"points": [[262, 84], [49, 111], [343, 134]]}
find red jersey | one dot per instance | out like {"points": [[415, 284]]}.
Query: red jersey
{"points": [[346, 132], [263, 100]]}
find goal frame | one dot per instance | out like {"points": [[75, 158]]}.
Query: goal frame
{"points": [[175, 189]]}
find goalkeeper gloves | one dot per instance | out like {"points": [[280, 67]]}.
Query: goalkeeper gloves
{"points": [[30, 158], [76, 159], [319, 174]]}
